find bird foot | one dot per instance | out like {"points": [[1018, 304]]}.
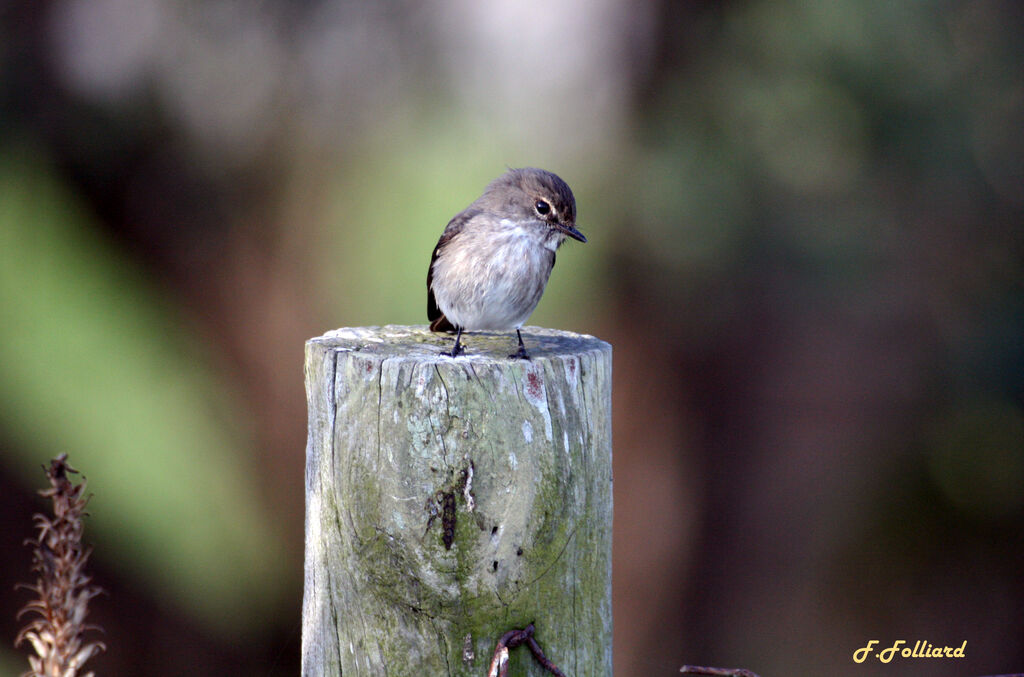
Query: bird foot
{"points": [[457, 349]]}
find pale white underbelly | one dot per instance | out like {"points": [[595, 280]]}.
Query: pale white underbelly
{"points": [[491, 283]]}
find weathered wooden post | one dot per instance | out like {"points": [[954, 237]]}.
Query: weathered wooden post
{"points": [[449, 501]]}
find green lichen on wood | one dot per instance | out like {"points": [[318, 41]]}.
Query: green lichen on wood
{"points": [[452, 500]]}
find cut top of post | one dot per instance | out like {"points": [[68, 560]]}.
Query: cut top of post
{"points": [[418, 342]]}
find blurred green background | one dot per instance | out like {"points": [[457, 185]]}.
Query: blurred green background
{"points": [[806, 244]]}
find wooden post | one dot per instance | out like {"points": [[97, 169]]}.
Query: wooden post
{"points": [[451, 500]]}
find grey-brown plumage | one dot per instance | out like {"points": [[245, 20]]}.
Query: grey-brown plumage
{"points": [[491, 265]]}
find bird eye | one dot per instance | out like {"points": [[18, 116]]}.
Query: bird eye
{"points": [[542, 207]]}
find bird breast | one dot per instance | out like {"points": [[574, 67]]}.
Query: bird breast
{"points": [[493, 279]]}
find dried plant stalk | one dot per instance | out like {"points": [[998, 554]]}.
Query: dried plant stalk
{"points": [[62, 589]]}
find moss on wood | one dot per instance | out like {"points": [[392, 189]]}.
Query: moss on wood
{"points": [[450, 500]]}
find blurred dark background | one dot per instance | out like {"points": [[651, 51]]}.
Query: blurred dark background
{"points": [[805, 244]]}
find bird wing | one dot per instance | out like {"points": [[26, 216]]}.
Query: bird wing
{"points": [[438, 322]]}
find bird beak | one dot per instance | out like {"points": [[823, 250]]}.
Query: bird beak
{"points": [[570, 230]]}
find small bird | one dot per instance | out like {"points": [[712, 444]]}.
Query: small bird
{"points": [[493, 260]]}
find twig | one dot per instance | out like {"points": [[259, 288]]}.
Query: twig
{"points": [[716, 672], [740, 672]]}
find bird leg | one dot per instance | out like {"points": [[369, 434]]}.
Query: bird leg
{"points": [[457, 349], [521, 353]]}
